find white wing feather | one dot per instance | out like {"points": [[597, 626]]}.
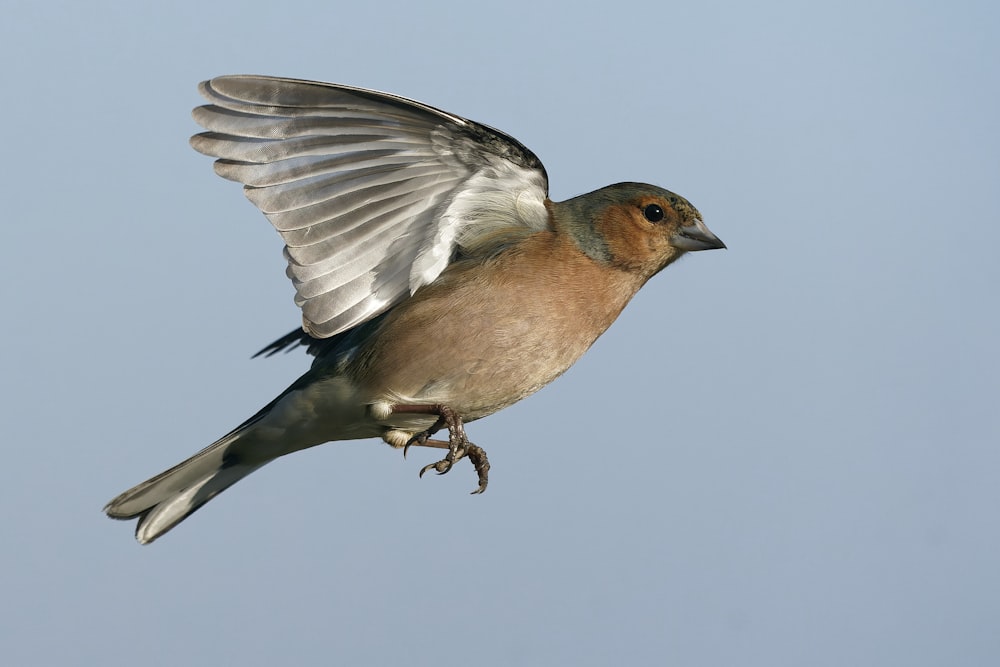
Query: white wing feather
{"points": [[373, 194]]}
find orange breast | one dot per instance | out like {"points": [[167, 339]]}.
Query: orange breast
{"points": [[486, 335]]}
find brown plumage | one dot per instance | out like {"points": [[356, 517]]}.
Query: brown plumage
{"points": [[438, 280]]}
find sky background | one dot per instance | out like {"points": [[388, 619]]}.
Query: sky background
{"points": [[785, 453]]}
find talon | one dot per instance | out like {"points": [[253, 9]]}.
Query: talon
{"points": [[458, 444], [419, 439], [477, 455]]}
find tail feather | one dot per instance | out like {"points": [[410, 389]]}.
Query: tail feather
{"points": [[165, 515], [163, 501]]}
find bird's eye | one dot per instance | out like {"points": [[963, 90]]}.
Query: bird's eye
{"points": [[653, 213]]}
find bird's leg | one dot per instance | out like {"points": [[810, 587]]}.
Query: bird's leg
{"points": [[458, 444]]}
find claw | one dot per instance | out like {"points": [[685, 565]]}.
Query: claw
{"points": [[458, 444], [419, 439], [441, 467], [477, 455]]}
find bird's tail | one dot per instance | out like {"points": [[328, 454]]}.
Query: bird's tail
{"points": [[162, 502]]}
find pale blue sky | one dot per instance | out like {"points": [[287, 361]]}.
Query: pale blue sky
{"points": [[786, 453]]}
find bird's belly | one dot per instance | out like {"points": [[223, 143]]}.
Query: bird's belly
{"points": [[491, 364], [485, 335]]}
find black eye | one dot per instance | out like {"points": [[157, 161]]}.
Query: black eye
{"points": [[653, 213]]}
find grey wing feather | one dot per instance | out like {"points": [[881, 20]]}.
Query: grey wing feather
{"points": [[373, 194]]}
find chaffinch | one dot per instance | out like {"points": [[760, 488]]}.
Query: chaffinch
{"points": [[438, 282]]}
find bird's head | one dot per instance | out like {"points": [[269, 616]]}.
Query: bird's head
{"points": [[634, 227]]}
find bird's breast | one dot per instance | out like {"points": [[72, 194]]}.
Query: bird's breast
{"points": [[487, 334]]}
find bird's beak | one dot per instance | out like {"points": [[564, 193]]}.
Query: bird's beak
{"points": [[696, 237]]}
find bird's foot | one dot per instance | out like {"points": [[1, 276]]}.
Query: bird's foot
{"points": [[458, 444], [476, 454]]}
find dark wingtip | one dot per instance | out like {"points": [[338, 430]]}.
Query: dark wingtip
{"points": [[286, 343]]}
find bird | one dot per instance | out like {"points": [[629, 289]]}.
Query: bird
{"points": [[438, 283]]}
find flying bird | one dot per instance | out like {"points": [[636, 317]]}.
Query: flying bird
{"points": [[438, 282]]}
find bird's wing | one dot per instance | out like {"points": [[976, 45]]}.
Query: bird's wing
{"points": [[372, 193]]}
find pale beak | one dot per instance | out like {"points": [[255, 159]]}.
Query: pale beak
{"points": [[696, 237]]}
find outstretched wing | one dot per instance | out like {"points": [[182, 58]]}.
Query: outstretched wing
{"points": [[373, 194]]}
